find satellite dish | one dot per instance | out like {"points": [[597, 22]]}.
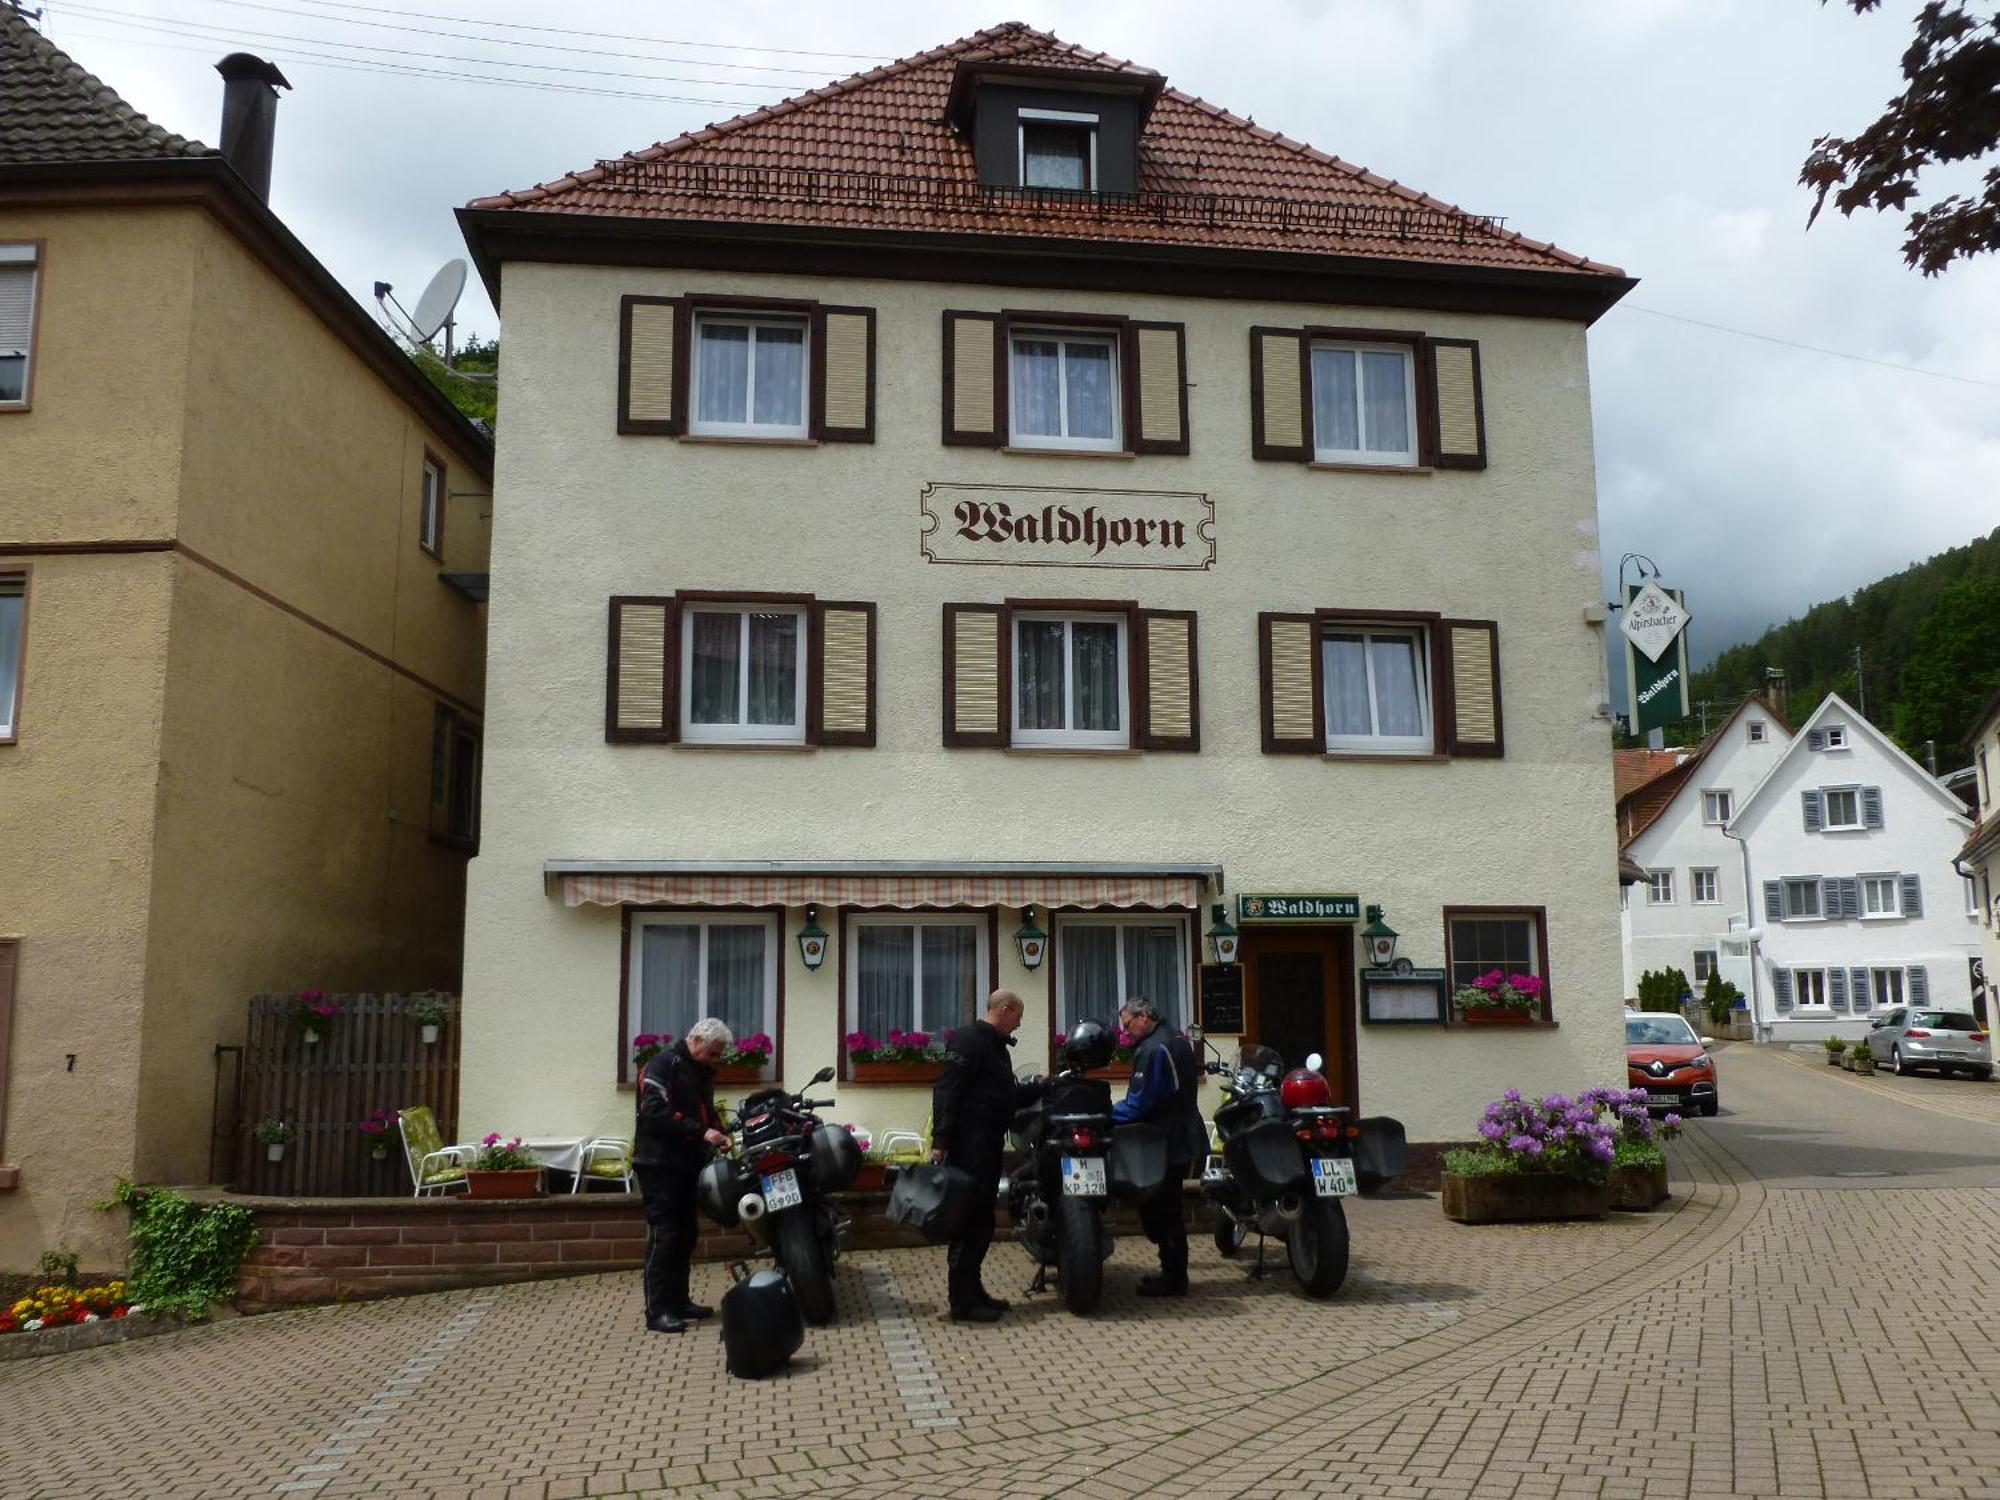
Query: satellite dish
{"points": [[434, 308]]}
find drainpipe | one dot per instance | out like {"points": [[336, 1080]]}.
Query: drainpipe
{"points": [[1759, 1030], [250, 117]]}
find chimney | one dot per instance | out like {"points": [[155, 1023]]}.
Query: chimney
{"points": [[1774, 689], [250, 117]]}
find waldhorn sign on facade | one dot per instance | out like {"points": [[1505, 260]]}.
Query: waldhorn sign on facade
{"points": [[1036, 526]]}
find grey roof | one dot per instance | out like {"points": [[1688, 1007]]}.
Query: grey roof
{"points": [[51, 110]]}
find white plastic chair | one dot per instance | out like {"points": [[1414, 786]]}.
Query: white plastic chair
{"points": [[604, 1158]]}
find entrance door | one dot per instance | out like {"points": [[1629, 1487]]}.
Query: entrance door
{"points": [[1297, 997]]}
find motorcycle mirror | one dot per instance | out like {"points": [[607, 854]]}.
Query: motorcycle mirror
{"points": [[1314, 1062], [1195, 1035], [824, 1075]]}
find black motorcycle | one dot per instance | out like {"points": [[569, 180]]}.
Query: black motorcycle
{"points": [[779, 1182], [1287, 1161]]}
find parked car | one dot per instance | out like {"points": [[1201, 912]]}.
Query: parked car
{"points": [[1664, 1057], [1909, 1037]]}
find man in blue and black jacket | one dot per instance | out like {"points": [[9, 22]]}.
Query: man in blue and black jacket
{"points": [[1166, 1090], [676, 1132]]}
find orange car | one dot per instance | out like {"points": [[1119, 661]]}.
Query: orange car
{"points": [[1664, 1057]]}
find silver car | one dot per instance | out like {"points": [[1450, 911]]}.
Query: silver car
{"points": [[1909, 1037]]}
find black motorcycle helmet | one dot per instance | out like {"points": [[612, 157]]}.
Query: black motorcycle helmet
{"points": [[1089, 1045]]}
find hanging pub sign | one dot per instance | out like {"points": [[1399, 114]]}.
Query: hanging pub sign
{"points": [[1298, 908], [1656, 659], [1222, 999]]}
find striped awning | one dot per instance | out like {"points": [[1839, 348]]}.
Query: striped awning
{"points": [[1181, 886]]}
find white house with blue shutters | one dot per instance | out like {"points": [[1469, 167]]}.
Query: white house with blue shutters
{"points": [[1847, 846]]}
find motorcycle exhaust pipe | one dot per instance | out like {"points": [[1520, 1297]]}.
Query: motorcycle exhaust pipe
{"points": [[1038, 1213], [1290, 1206], [750, 1207]]}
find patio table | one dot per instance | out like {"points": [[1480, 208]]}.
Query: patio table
{"points": [[562, 1153]]}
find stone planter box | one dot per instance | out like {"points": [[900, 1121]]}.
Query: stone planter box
{"points": [[72, 1336], [524, 1182], [1637, 1190], [1507, 1198], [925, 1073]]}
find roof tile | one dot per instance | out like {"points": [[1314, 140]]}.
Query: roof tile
{"points": [[51, 110]]}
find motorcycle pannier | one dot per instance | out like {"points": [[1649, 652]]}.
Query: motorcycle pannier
{"points": [[931, 1200], [762, 1326], [836, 1158], [1138, 1160], [1381, 1153], [722, 1184], [1266, 1158]]}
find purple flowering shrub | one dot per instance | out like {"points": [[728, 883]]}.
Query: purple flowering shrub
{"points": [[1557, 1135]]}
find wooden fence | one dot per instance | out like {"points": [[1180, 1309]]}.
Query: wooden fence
{"points": [[370, 1056]]}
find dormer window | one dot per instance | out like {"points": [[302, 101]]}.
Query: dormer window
{"points": [[1058, 149]]}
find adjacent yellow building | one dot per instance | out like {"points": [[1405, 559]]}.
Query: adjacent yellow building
{"points": [[241, 661]]}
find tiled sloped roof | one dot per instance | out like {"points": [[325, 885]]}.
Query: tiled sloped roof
{"points": [[875, 151], [53, 111], [1632, 769], [1638, 809]]}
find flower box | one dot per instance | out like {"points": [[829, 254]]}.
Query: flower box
{"points": [[1523, 1197], [872, 1178], [895, 1072], [1638, 1189], [517, 1182], [1495, 1015], [740, 1072], [1114, 1072]]}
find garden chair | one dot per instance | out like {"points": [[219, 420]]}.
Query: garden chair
{"points": [[904, 1148], [604, 1158], [434, 1166]]}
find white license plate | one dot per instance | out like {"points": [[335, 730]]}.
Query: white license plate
{"points": [[1083, 1177], [1333, 1177], [781, 1190]]}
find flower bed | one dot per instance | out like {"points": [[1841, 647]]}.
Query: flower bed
{"points": [[1559, 1158], [57, 1306]]}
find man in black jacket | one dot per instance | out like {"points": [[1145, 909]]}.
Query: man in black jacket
{"points": [[972, 1105], [677, 1129], [1166, 1090]]}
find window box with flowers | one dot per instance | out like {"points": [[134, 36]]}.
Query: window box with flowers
{"points": [[1497, 998], [912, 1057], [746, 1061], [503, 1170]]}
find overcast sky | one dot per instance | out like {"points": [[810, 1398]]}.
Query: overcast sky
{"points": [[1663, 136]]}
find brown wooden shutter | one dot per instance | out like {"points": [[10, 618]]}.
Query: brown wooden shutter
{"points": [[975, 381], [843, 374], [440, 819], [1289, 684], [977, 654], [841, 674], [1156, 357], [1280, 401], [1458, 404], [1167, 706], [642, 690], [9, 953], [652, 365], [1471, 696]]}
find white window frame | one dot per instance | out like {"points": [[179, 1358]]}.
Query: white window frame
{"points": [[1713, 797], [1089, 124], [1406, 459], [1756, 731], [1709, 875], [29, 255], [982, 961], [430, 507], [692, 733], [1063, 338], [699, 427], [705, 920], [1836, 736], [1423, 743], [1800, 987], [1888, 979], [1714, 958], [1804, 883], [1826, 822], [1183, 1002], [1894, 883], [1659, 887], [1073, 739]]}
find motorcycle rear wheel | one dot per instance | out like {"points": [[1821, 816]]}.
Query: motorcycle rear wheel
{"points": [[1079, 1262], [796, 1244], [1229, 1235], [1317, 1247]]}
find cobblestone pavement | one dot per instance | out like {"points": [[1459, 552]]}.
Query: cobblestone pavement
{"points": [[1730, 1345]]}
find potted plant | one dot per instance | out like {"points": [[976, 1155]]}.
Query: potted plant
{"points": [[274, 1133], [872, 1176], [1638, 1178], [1537, 1159], [1499, 998], [648, 1045], [1864, 1060], [315, 1015], [746, 1060], [1851, 1058], [902, 1057], [503, 1169], [1834, 1047], [376, 1128], [427, 1010]]}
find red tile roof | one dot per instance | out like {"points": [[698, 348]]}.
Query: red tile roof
{"points": [[1639, 808], [875, 151], [1632, 769]]}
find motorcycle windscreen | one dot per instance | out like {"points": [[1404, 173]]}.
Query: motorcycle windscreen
{"points": [[1266, 1159], [1138, 1160], [1259, 1059]]}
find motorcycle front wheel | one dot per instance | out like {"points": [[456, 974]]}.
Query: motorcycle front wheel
{"points": [[1079, 1256], [1317, 1247], [796, 1244], [1229, 1235]]}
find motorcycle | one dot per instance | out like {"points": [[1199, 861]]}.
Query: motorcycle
{"points": [[1286, 1162], [778, 1184]]}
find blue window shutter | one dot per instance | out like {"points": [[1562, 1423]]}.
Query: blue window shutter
{"points": [[1815, 809], [1871, 807], [1857, 989], [1816, 739], [1850, 896], [1836, 989], [1913, 895], [1781, 988], [1917, 987], [1774, 901]]}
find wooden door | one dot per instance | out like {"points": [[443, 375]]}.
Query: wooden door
{"points": [[1298, 997]]}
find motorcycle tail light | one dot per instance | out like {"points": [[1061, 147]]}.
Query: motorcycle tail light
{"points": [[773, 1161], [1916, 1032], [1083, 1139], [1329, 1130]]}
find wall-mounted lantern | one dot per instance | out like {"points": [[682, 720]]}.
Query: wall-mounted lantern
{"points": [[1380, 939], [1222, 936], [1031, 940], [812, 939]]}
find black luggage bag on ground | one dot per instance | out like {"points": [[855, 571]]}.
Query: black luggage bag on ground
{"points": [[762, 1326], [931, 1200], [1138, 1167]]}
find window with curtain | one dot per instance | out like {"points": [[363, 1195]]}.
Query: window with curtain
{"points": [[18, 283], [1364, 404], [1378, 690], [1101, 962], [742, 674], [13, 625], [1058, 151], [916, 973], [1070, 681], [686, 966], [749, 376], [1476, 945], [1063, 391]]}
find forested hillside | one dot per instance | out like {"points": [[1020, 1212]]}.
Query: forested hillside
{"points": [[1930, 647]]}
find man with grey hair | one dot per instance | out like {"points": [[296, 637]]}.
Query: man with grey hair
{"points": [[1165, 1091], [677, 1130]]}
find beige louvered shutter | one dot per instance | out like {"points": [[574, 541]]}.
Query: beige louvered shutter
{"points": [[652, 365], [1288, 685], [1472, 649], [1279, 402], [1156, 357], [976, 654], [843, 362], [1460, 441], [642, 694], [975, 394], [1169, 710], [841, 673]]}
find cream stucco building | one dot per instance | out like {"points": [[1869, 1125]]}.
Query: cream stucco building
{"points": [[226, 500], [998, 495]]}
